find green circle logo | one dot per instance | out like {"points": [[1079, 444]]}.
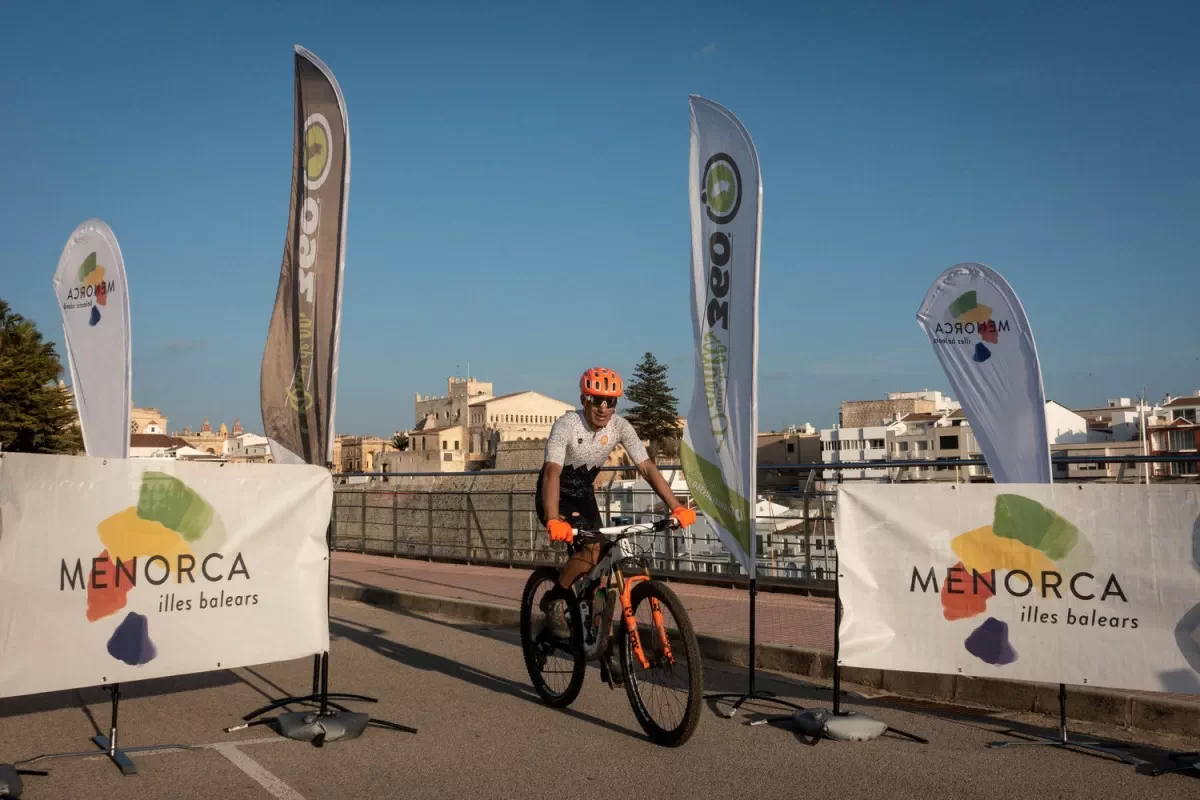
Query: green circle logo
{"points": [[316, 151], [722, 189]]}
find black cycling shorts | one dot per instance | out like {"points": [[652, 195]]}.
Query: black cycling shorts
{"points": [[579, 511]]}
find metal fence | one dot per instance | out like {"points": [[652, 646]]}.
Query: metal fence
{"points": [[489, 518]]}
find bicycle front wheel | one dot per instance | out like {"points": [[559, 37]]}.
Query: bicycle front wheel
{"points": [[666, 693]]}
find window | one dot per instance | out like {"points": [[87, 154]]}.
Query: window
{"points": [[455, 444], [446, 445], [791, 447], [903, 447], [1186, 413], [447, 457], [948, 442], [1181, 440], [876, 444]]}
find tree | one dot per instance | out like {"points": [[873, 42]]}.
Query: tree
{"points": [[653, 414], [35, 412], [400, 441]]}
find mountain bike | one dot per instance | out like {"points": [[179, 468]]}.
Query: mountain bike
{"points": [[659, 659]]}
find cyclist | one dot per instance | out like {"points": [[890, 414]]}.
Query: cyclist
{"points": [[578, 446]]}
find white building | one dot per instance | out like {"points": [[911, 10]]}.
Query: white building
{"points": [[851, 445], [512, 417], [1064, 426], [948, 437], [1120, 420], [248, 448]]}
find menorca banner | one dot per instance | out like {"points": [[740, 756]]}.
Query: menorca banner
{"points": [[126, 569], [1079, 584]]}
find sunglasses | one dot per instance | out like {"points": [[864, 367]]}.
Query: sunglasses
{"points": [[607, 402]]}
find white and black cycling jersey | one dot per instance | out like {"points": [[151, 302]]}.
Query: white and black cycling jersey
{"points": [[582, 451]]}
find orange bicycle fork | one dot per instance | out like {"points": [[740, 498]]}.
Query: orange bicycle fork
{"points": [[631, 627]]}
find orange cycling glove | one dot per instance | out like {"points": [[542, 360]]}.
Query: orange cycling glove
{"points": [[685, 516], [559, 530]]}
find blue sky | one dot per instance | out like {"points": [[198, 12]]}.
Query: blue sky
{"points": [[519, 190]]}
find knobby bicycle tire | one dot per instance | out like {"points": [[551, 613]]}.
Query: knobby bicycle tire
{"points": [[680, 733], [528, 646]]}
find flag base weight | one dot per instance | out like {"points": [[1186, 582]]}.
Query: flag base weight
{"points": [[845, 726], [817, 723], [331, 723], [10, 780]]}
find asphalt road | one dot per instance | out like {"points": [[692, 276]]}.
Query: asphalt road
{"points": [[483, 734]]}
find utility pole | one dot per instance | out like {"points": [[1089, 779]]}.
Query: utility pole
{"points": [[1145, 442]]}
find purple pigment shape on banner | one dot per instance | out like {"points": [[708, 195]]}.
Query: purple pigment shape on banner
{"points": [[131, 643], [990, 643]]}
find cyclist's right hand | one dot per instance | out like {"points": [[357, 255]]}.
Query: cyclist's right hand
{"points": [[559, 530]]}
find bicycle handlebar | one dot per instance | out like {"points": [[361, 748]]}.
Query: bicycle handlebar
{"points": [[585, 536]]}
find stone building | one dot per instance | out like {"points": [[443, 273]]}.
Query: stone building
{"points": [[206, 440], [147, 420], [429, 450], [451, 408], [471, 421], [359, 453], [869, 413], [791, 446], [519, 416]]}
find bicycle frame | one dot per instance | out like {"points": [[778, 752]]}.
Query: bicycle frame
{"points": [[609, 564]]}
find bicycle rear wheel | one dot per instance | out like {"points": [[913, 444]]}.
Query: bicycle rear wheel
{"points": [[556, 667], [667, 696]]}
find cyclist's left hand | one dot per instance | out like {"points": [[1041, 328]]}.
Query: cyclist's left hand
{"points": [[684, 516]]}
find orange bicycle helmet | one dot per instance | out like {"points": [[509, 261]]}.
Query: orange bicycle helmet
{"points": [[601, 382]]}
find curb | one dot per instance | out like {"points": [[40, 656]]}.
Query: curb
{"points": [[1154, 712]]}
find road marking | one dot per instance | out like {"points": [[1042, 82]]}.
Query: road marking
{"points": [[99, 756], [260, 774]]}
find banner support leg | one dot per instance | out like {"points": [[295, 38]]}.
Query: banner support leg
{"points": [[1065, 741], [107, 744]]}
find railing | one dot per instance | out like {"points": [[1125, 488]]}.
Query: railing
{"points": [[468, 517]]}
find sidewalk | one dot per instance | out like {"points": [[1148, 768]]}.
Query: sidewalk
{"points": [[784, 619]]}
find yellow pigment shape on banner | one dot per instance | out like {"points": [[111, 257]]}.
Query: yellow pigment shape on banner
{"points": [[982, 551], [979, 314], [126, 536]]}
